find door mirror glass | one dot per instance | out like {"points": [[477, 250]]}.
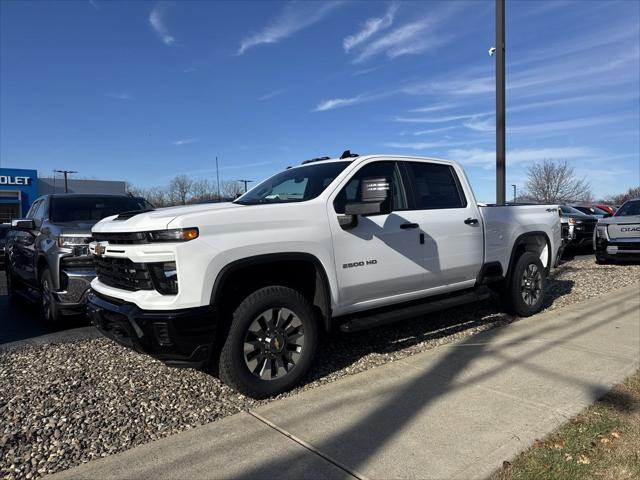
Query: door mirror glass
{"points": [[23, 224], [375, 193]]}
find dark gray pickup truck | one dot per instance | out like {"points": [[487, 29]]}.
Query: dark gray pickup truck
{"points": [[47, 253]]}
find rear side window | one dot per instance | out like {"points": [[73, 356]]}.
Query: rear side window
{"points": [[435, 186]]}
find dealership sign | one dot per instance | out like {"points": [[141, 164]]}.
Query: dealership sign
{"points": [[14, 180]]}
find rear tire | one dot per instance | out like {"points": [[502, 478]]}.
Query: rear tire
{"points": [[271, 342], [49, 309], [524, 293]]}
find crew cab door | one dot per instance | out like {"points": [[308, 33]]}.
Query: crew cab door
{"points": [[379, 257], [23, 253], [451, 223]]}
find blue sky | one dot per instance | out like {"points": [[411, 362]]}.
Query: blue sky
{"points": [[143, 91]]}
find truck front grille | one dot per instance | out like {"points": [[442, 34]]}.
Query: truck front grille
{"points": [[123, 273], [129, 238]]}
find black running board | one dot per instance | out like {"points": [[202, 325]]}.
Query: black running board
{"points": [[402, 313]]}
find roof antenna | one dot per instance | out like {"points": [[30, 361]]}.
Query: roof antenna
{"points": [[348, 154]]}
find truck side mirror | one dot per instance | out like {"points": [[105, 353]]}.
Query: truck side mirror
{"points": [[375, 198], [23, 224]]}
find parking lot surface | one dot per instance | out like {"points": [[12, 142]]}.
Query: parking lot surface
{"points": [[20, 320]]}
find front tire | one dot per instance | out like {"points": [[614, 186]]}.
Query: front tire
{"points": [[525, 292], [602, 258], [11, 285], [49, 309], [271, 342]]}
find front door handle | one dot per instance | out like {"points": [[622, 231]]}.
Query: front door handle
{"points": [[471, 221], [406, 226]]}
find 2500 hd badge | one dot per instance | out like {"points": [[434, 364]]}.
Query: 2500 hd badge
{"points": [[359, 264]]}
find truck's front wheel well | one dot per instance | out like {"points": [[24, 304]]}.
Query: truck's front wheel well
{"points": [[303, 275]]}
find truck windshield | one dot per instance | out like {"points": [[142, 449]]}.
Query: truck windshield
{"points": [[294, 185], [93, 208], [632, 207]]}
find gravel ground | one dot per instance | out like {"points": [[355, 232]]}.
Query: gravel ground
{"points": [[65, 404]]}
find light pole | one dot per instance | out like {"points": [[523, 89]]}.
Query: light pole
{"points": [[500, 106], [66, 172], [245, 184], [514, 193]]}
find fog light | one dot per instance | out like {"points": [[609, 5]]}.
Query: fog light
{"points": [[165, 277]]}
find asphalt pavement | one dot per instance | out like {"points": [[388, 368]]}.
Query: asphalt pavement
{"points": [[457, 411], [20, 320]]}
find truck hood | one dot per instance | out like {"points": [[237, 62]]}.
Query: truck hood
{"points": [[158, 219], [75, 228], [632, 219]]}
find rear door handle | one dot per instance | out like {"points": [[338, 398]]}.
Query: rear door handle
{"points": [[471, 221], [407, 226]]}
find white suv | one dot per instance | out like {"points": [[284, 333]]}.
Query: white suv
{"points": [[247, 286]]}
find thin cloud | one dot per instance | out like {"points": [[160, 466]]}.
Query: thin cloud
{"points": [[294, 17], [270, 95], [435, 130], [411, 38], [120, 96], [334, 103], [557, 127], [183, 141], [94, 4], [487, 158], [338, 103], [427, 145], [449, 118], [156, 20], [370, 28]]}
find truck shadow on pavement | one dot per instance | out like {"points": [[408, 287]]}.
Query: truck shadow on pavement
{"points": [[410, 395], [360, 350]]}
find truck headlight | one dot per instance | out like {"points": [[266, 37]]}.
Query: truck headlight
{"points": [[601, 231], [173, 235], [165, 277], [70, 241]]}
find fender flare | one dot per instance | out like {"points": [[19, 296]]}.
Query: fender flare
{"points": [[322, 280], [519, 241]]}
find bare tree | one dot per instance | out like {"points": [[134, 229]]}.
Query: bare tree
{"points": [[157, 196], [179, 189], [203, 190], [633, 192], [554, 181], [231, 188]]}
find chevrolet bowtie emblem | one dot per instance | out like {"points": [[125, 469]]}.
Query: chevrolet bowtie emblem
{"points": [[99, 250]]}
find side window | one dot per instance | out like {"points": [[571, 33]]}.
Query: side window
{"points": [[435, 186], [33, 209], [351, 192], [39, 213]]}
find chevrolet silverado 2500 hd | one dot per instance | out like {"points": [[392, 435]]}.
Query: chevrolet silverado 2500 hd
{"points": [[348, 243]]}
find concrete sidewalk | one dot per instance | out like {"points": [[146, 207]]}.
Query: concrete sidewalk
{"points": [[456, 411]]}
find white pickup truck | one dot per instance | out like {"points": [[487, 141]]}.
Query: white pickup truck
{"points": [[245, 288]]}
